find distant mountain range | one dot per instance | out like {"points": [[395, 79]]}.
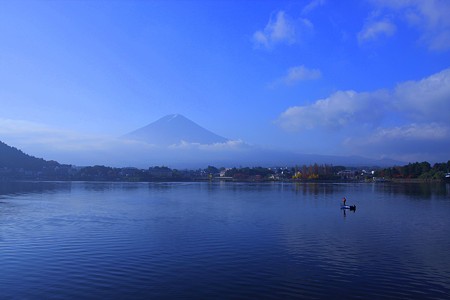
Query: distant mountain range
{"points": [[178, 142], [174, 129]]}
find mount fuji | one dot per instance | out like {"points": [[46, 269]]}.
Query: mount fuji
{"points": [[176, 140], [174, 129]]}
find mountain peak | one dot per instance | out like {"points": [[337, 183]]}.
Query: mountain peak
{"points": [[174, 129], [172, 116]]}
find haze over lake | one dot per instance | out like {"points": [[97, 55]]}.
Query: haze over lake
{"points": [[223, 240]]}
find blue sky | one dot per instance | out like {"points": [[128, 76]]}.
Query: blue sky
{"points": [[368, 78]]}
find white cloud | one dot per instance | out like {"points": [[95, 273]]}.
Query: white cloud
{"points": [[425, 132], [427, 99], [374, 30], [297, 74], [232, 145], [410, 142], [411, 119], [281, 29], [20, 132], [341, 109], [76, 148], [17, 127], [30, 133], [312, 6], [26, 132], [429, 17]]}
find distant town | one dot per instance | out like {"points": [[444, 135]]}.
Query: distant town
{"points": [[162, 173], [16, 165]]}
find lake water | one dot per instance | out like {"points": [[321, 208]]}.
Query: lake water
{"points": [[224, 241]]}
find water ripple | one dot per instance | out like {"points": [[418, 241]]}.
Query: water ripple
{"points": [[165, 241]]}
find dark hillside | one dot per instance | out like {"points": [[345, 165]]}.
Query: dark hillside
{"points": [[13, 158]]}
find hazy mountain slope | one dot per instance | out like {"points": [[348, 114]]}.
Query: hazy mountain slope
{"points": [[162, 145], [14, 158], [173, 129]]}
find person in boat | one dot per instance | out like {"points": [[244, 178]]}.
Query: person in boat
{"points": [[343, 201]]}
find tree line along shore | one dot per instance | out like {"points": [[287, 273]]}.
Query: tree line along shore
{"points": [[413, 172], [16, 165]]}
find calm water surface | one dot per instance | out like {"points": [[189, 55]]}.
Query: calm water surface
{"points": [[223, 241]]}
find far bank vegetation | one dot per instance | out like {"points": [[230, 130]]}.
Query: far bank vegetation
{"points": [[422, 171]]}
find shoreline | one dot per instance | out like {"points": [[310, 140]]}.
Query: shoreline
{"points": [[217, 180]]}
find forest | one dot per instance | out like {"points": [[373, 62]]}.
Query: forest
{"points": [[420, 170], [14, 164]]}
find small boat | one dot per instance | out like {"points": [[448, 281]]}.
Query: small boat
{"points": [[351, 207]]}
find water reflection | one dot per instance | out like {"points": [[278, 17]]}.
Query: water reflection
{"points": [[414, 190], [206, 240], [28, 187], [315, 188], [106, 186], [351, 210]]}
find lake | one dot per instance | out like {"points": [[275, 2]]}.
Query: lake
{"points": [[75, 240]]}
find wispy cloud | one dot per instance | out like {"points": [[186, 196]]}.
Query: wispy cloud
{"points": [[231, 145], [429, 17], [26, 132], [374, 30], [17, 127], [430, 132], [314, 4], [297, 74], [281, 29], [410, 142], [85, 149], [20, 132]]}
